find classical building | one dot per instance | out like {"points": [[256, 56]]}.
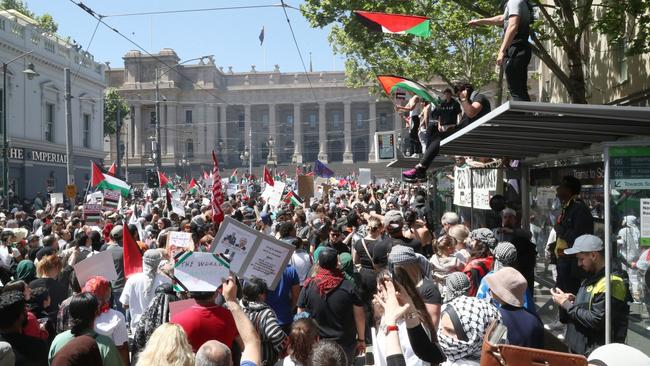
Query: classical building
{"points": [[203, 107], [35, 107]]}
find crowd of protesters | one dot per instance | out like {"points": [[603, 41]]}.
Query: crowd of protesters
{"points": [[368, 268]]}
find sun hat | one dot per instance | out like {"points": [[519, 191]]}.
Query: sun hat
{"points": [[508, 285]]}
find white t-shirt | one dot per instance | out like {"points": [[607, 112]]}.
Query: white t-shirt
{"points": [[301, 261], [379, 342], [134, 295], [113, 325], [6, 253]]}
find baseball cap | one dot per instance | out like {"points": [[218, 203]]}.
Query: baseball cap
{"points": [[584, 244], [393, 219]]}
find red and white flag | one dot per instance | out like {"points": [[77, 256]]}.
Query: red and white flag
{"points": [[217, 192]]}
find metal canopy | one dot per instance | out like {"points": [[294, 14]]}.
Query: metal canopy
{"points": [[528, 130]]}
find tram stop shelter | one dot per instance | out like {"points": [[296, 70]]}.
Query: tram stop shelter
{"points": [[535, 133]]}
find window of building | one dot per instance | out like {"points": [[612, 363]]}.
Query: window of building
{"points": [[312, 120], [86, 130], [152, 114], [49, 122], [189, 148], [188, 116], [359, 119], [620, 60], [241, 123], [336, 119], [289, 120], [265, 119], [383, 121]]}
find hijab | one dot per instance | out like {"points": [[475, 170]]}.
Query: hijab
{"points": [[26, 271], [347, 266], [150, 261]]}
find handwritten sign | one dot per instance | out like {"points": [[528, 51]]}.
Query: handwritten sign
{"points": [[56, 198], [180, 239], [99, 264], [486, 183], [92, 213], [251, 253], [178, 208], [200, 272], [111, 200]]}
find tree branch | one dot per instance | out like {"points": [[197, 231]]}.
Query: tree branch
{"points": [[558, 33], [541, 52]]}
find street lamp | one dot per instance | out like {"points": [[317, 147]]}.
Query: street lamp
{"points": [[157, 105], [185, 163], [31, 73], [271, 160]]}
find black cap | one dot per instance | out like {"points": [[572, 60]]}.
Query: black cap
{"points": [[328, 258]]}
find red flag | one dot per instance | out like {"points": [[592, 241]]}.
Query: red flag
{"points": [[217, 192], [112, 169], [268, 178], [97, 175], [132, 254], [162, 179]]}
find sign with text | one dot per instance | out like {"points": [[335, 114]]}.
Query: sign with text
{"points": [[177, 207], [111, 199], [98, 264], [180, 239], [273, 194], [385, 145], [484, 183], [200, 272], [365, 176], [56, 199], [645, 222], [92, 213], [630, 167], [251, 253]]}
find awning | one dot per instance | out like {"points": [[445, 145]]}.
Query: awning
{"points": [[532, 130]]}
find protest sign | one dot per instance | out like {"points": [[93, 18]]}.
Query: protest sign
{"points": [[95, 197], [644, 239], [177, 207], [276, 196], [484, 183], [56, 198], [364, 176], [306, 187], [92, 213], [205, 201], [180, 239], [111, 200], [98, 264], [200, 272], [251, 253]]}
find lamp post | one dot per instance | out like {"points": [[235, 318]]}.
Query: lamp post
{"points": [[158, 155], [185, 163], [31, 73], [271, 160]]}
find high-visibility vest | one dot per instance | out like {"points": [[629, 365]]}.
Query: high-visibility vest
{"points": [[618, 289]]}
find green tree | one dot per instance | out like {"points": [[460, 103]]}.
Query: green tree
{"points": [[45, 21], [454, 51], [112, 102]]}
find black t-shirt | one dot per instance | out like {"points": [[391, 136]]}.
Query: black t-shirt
{"points": [[448, 112], [57, 290], [380, 252], [334, 313], [27, 350], [478, 97], [430, 292], [364, 259], [340, 247], [412, 243]]}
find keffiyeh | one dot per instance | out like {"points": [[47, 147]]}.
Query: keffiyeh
{"points": [[485, 236], [505, 254], [456, 285], [473, 316]]}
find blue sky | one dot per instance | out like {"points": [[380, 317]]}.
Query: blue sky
{"points": [[230, 35]]}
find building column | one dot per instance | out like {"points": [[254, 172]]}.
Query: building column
{"points": [[172, 134], [322, 132], [211, 135], [347, 123], [198, 130], [297, 134], [273, 130], [223, 133], [247, 130], [137, 130], [372, 128]]}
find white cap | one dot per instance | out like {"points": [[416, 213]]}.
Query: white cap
{"points": [[586, 243], [615, 354]]}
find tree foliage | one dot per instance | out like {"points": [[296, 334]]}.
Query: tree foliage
{"points": [[112, 102], [453, 52], [45, 21]]}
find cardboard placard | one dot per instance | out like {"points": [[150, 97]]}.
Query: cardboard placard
{"points": [[56, 198], [98, 264], [251, 253], [92, 213], [364, 176], [178, 208], [180, 239], [95, 197], [306, 187], [276, 194], [111, 200], [200, 272]]}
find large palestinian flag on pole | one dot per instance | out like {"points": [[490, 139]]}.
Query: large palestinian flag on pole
{"points": [[100, 181], [391, 82], [395, 23]]}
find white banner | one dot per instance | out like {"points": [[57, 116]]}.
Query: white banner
{"points": [[486, 182]]}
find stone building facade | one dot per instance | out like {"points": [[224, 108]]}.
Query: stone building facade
{"points": [[204, 107], [35, 108]]}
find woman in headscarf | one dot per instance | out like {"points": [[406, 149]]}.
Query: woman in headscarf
{"points": [[139, 288], [345, 260], [463, 323], [456, 285], [26, 271], [109, 322], [156, 314]]}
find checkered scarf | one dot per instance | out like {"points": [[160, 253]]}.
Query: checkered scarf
{"points": [[485, 236], [505, 254], [475, 316], [456, 285]]}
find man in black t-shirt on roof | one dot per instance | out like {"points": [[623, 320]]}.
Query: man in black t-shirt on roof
{"points": [[475, 106]]}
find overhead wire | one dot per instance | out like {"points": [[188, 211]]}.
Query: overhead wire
{"points": [[90, 42], [194, 10]]}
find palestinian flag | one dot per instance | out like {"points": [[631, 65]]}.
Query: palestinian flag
{"points": [[391, 82], [193, 186], [395, 23], [102, 181], [112, 169], [163, 181], [293, 199]]}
